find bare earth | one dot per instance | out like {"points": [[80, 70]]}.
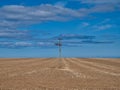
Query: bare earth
{"points": [[60, 74]]}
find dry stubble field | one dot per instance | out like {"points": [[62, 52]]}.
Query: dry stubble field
{"points": [[59, 74]]}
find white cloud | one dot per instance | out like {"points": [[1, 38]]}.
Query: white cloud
{"points": [[8, 44], [85, 24], [22, 44], [99, 1], [61, 4], [102, 8], [103, 27], [14, 16], [105, 24], [14, 34], [17, 15], [45, 44]]}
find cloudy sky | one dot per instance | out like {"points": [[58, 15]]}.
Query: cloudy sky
{"points": [[87, 28]]}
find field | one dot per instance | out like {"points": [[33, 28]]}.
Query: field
{"points": [[60, 74]]}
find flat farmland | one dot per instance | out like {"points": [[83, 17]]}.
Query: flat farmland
{"points": [[59, 74]]}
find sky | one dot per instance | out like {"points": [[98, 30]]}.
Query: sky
{"points": [[86, 28]]}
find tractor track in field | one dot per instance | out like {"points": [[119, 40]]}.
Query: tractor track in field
{"points": [[93, 67], [99, 65]]}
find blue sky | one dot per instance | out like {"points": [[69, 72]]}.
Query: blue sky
{"points": [[88, 28]]}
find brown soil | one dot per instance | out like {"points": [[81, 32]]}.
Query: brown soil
{"points": [[60, 74]]}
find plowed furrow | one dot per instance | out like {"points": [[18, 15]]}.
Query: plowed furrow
{"points": [[93, 69], [30, 67], [75, 70], [111, 62], [99, 65]]}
